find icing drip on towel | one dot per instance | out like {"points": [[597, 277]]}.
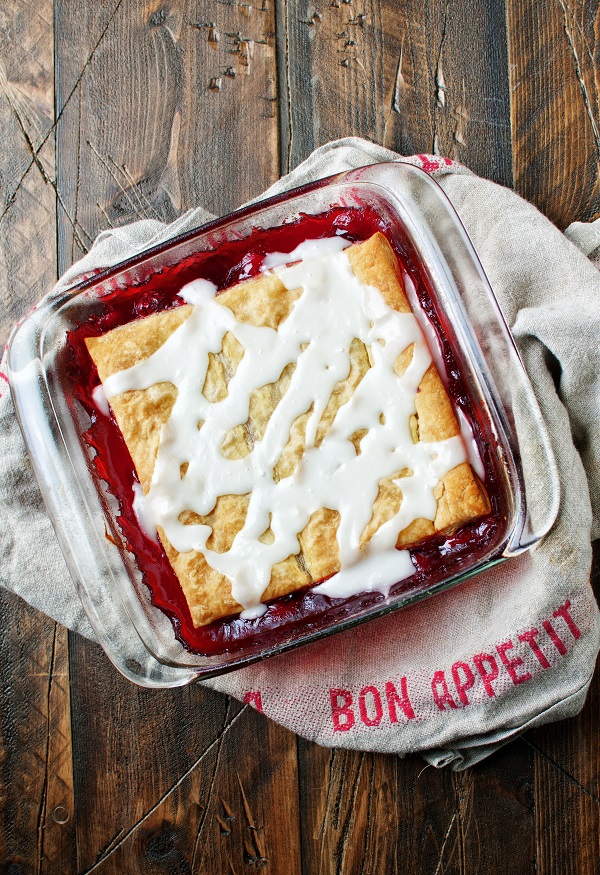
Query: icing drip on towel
{"points": [[333, 309]]}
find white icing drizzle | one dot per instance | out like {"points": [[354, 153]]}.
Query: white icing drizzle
{"points": [[305, 251], [141, 512], [333, 309], [438, 357], [376, 572], [466, 429], [427, 328], [100, 400]]}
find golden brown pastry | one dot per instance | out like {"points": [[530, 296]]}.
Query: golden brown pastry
{"points": [[265, 301]]}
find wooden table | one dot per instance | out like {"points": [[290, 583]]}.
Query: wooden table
{"points": [[116, 110]]}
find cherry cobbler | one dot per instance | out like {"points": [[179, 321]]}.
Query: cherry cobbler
{"points": [[291, 431]]}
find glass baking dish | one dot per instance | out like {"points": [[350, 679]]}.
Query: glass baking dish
{"points": [[464, 326]]}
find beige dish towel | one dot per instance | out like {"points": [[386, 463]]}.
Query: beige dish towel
{"points": [[458, 675]]}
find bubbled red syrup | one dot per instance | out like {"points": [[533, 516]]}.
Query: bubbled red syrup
{"points": [[299, 613]]}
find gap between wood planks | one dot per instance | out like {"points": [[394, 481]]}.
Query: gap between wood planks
{"points": [[211, 785]]}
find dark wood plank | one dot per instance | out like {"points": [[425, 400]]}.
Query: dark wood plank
{"points": [[495, 804], [451, 85], [567, 799], [203, 783], [162, 107], [397, 74], [125, 752], [200, 782], [373, 813], [567, 764], [36, 782], [554, 53], [27, 203], [37, 832], [556, 147]]}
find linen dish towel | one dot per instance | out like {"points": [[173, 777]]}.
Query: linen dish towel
{"points": [[458, 675]]}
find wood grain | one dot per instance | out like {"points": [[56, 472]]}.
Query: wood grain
{"points": [[373, 813], [36, 781], [171, 95], [396, 74], [495, 802], [567, 780], [37, 832], [27, 220], [443, 104], [186, 796], [554, 53], [186, 804]]}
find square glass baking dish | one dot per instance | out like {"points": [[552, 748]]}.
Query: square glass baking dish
{"points": [[464, 327]]}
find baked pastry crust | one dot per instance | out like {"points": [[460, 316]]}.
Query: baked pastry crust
{"points": [[265, 301]]}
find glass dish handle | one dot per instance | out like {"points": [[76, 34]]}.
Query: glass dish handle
{"points": [[539, 473]]}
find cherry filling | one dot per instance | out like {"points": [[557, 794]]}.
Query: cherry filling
{"points": [[288, 618]]}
